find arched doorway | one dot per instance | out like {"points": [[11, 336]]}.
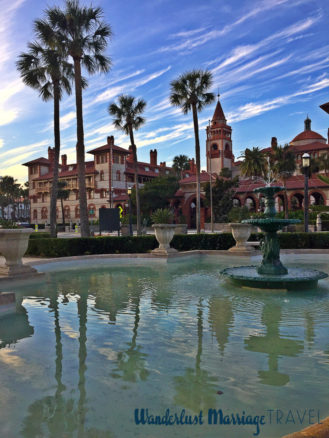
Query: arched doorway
{"points": [[296, 201], [250, 203], [317, 198]]}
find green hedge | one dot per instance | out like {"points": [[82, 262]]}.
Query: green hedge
{"points": [[46, 247], [40, 236]]}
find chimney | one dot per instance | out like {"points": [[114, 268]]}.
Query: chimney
{"points": [[51, 154], [192, 165], [274, 143], [130, 157], [153, 157], [110, 140], [64, 160], [162, 164]]}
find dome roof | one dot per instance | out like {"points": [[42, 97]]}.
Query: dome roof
{"points": [[308, 135]]}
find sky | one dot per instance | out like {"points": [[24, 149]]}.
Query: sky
{"points": [[269, 60]]}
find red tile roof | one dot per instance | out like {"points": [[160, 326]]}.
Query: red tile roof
{"points": [[40, 160], [107, 147], [219, 113], [293, 183], [314, 146], [204, 177], [307, 135], [90, 168]]}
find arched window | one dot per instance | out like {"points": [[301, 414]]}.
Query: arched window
{"points": [[103, 193], [35, 214], [44, 213], [101, 175], [118, 175], [77, 211], [227, 147], [67, 213], [214, 147]]}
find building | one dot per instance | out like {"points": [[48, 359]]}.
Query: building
{"points": [[219, 155], [108, 176]]}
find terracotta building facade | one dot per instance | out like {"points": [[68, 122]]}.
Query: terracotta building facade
{"points": [[108, 177]]}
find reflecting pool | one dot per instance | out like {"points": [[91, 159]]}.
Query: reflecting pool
{"points": [[93, 341]]}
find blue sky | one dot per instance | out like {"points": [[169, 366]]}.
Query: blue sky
{"points": [[269, 59]]}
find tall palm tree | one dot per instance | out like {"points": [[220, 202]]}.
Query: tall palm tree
{"points": [[44, 69], [83, 36], [254, 163], [127, 117], [180, 163], [190, 92], [284, 167]]}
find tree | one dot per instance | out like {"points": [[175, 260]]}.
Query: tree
{"points": [[323, 163], [9, 192], [156, 193], [180, 163], [127, 117], [45, 70], [223, 192], [226, 172], [190, 92], [62, 194], [83, 36], [254, 163], [284, 166]]}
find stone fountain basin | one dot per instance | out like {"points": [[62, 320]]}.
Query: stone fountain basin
{"points": [[296, 279], [271, 224]]}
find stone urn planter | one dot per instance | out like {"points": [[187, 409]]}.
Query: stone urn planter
{"points": [[181, 229], [241, 233], [164, 234], [13, 245]]}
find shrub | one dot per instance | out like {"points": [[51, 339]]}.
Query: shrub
{"points": [[46, 247], [40, 236], [162, 216]]}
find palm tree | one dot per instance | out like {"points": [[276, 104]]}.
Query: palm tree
{"points": [[127, 117], [284, 166], [190, 92], [254, 163], [180, 163], [45, 70], [83, 36], [323, 163]]}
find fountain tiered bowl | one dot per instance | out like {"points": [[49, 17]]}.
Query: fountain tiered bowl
{"points": [[271, 274]]}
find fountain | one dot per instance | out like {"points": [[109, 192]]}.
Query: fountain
{"points": [[271, 274]]}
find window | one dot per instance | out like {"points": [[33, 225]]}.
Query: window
{"points": [[214, 147], [122, 159], [44, 212], [118, 175], [67, 213], [33, 185], [91, 210], [156, 170], [35, 214], [101, 175], [103, 193], [77, 211], [147, 168], [103, 158], [116, 158]]}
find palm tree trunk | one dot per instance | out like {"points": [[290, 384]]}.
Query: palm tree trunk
{"points": [[57, 138], [138, 211], [197, 162], [84, 221]]}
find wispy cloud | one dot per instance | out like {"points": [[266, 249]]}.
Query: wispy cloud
{"points": [[253, 109]]}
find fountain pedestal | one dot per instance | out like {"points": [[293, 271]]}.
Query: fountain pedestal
{"points": [[271, 274]]}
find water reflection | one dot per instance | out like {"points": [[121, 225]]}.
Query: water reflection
{"points": [[196, 389], [221, 319], [274, 346], [14, 327]]}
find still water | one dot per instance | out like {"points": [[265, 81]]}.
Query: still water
{"points": [[93, 341]]}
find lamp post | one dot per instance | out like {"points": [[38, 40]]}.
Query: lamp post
{"points": [[306, 162], [130, 220]]}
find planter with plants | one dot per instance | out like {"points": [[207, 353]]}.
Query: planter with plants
{"points": [[164, 230], [13, 245]]}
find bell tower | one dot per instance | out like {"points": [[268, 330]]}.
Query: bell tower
{"points": [[219, 142]]}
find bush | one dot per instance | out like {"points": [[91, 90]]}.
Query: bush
{"points": [[40, 236], [162, 216], [46, 247]]}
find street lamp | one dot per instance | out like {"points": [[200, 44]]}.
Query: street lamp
{"points": [[306, 163], [130, 220]]}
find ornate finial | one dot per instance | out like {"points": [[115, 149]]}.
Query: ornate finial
{"points": [[218, 94]]}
